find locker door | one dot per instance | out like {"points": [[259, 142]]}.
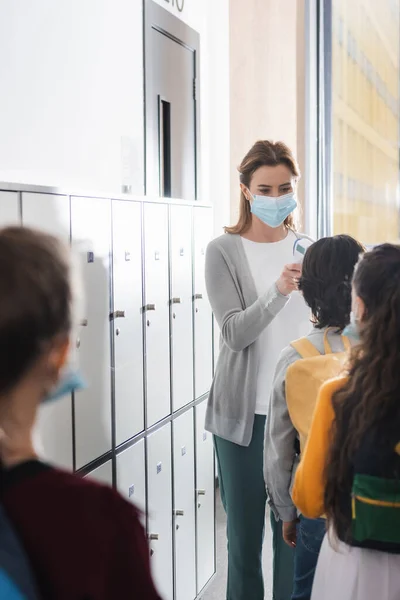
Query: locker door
{"points": [[160, 508], [184, 507], [9, 209], [91, 239], [128, 320], [181, 305], [51, 213], [205, 507], [102, 474], [156, 312], [131, 475], [170, 115], [203, 341]]}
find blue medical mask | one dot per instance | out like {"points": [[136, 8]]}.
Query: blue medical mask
{"points": [[352, 330], [71, 381], [273, 210]]}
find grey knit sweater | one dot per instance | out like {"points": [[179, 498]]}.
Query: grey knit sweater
{"points": [[241, 317]]}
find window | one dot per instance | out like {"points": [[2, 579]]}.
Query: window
{"points": [[364, 100]]}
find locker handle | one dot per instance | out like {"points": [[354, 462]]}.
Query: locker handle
{"points": [[153, 536], [201, 492], [179, 513], [117, 314], [84, 323], [198, 296], [149, 307], [176, 301]]}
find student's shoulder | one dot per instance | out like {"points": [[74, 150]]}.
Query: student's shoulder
{"points": [[288, 356], [86, 493], [329, 388]]}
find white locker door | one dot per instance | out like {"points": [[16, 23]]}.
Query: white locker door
{"points": [[51, 213], [205, 492], [184, 507], [160, 508], [9, 209], [203, 339], [131, 475], [102, 474], [156, 308], [181, 305], [91, 238], [128, 319]]}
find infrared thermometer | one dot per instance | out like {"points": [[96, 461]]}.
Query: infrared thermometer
{"points": [[300, 248]]}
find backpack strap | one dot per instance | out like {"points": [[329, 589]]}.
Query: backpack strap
{"points": [[327, 346], [305, 348]]}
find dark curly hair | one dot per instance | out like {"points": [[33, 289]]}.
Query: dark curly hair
{"points": [[370, 398], [326, 279]]}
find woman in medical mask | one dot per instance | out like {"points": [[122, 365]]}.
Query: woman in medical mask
{"points": [[252, 279]]}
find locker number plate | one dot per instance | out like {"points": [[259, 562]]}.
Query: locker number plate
{"points": [[127, 256], [131, 490], [159, 468], [90, 257], [183, 450], [157, 255], [182, 252], [204, 436]]}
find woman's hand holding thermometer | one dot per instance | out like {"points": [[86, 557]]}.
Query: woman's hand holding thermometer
{"points": [[289, 280]]}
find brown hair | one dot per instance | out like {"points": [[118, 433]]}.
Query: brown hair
{"points": [[263, 153], [35, 299], [370, 399]]}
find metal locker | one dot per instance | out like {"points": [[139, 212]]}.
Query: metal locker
{"points": [[205, 500], [131, 475], [127, 319], [184, 507], [102, 474], [9, 209], [51, 213], [181, 305], [160, 508], [91, 239], [203, 337], [156, 310]]}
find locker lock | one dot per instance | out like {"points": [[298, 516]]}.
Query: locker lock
{"points": [[201, 492], [117, 314], [176, 301], [149, 307], [84, 323], [153, 536], [198, 297], [179, 513]]}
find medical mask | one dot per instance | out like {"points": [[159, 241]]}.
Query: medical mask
{"points": [[273, 210], [71, 381], [352, 330]]}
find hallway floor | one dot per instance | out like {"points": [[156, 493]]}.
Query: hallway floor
{"points": [[216, 590]]}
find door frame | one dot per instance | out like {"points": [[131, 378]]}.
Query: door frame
{"points": [[158, 18]]}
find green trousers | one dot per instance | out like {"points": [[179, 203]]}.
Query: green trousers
{"points": [[241, 480]]}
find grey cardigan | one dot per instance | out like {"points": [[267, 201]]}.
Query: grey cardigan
{"points": [[241, 316]]}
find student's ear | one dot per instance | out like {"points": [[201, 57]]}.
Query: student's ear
{"points": [[58, 355]]}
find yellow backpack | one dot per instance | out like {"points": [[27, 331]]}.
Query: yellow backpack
{"points": [[305, 377]]}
